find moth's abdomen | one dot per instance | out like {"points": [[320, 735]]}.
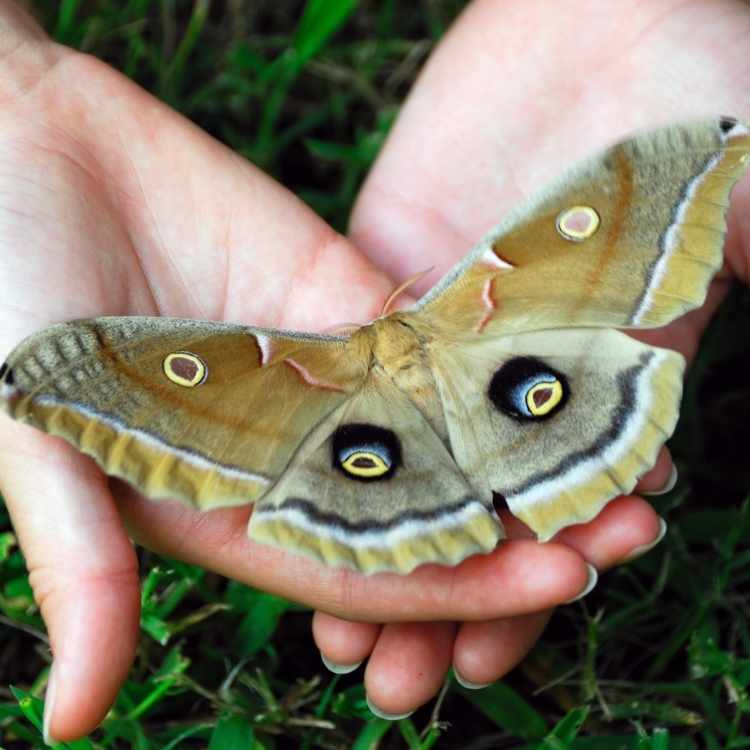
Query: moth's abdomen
{"points": [[399, 352]]}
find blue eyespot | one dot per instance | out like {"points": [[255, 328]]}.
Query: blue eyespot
{"points": [[525, 388], [365, 452]]}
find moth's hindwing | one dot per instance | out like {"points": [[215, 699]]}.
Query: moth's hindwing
{"points": [[375, 489], [558, 422]]}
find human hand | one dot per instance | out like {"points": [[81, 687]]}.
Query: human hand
{"points": [[113, 204], [515, 93]]}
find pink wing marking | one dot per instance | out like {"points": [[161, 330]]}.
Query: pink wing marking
{"points": [[489, 304], [310, 379]]}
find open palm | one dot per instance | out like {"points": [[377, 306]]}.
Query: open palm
{"points": [[112, 204]]}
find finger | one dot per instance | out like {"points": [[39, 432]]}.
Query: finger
{"points": [[407, 666], [83, 571], [627, 526], [485, 651], [343, 644], [661, 478], [516, 578]]}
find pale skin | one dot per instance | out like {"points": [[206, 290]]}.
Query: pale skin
{"points": [[112, 204]]}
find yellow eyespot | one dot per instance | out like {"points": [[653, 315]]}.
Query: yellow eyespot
{"points": [[543, 397], [365, 464], [578, 223], [186, 369]]}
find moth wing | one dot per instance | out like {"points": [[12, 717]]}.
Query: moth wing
{"points": [[592, 437], [629, 238], [418, 509], [104, 385]]}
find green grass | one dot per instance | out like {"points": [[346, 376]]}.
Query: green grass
{"points": [[657, 658]]}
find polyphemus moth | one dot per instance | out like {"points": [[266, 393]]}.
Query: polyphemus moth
{"points": [[381, 450]]}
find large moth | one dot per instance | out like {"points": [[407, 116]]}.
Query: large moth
{"points": [[381, 450]]}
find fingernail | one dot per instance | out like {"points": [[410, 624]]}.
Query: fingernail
{"points": [[467, 684], [49, 706], [668, 486], [644, 548], [590, 583], [339, 668], [384, 714]]}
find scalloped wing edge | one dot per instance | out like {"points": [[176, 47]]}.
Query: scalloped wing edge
{"points": [[399, 546], [579, 494]]}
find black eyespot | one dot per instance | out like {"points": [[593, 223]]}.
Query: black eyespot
{"points": [[726, 124], [365, 452], [527, 389]]}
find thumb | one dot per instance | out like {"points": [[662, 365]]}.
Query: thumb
{"points": [[83, 571]]}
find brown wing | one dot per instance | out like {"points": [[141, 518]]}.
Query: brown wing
{"points": [[630, 238], [205, 412]]}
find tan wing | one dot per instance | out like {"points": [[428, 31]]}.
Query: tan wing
{"points": [[374, 488], [558, 422], [630, 238], [119, 389]]}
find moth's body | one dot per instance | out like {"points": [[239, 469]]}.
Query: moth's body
{"points": [[391, 343], [398, 348], [381, 451]]}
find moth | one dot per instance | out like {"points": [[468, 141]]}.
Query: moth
{"points": [[381, 450]]}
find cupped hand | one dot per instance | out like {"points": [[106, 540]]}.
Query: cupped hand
{"points": [[110, 203], [515, 93]]}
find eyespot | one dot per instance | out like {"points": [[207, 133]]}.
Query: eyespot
{"points": [[543, 397], [366, 452], [366, 463], [186, 369], [577, 223], [525, 388]]}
